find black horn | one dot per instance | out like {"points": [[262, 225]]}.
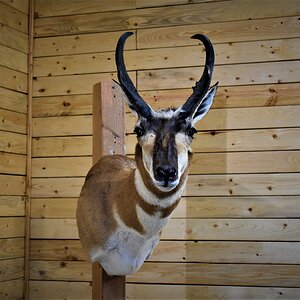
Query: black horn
{"points": [[202, 86], [135, 100]]}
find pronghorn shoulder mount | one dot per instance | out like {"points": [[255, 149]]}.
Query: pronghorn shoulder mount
{"points": [[124, 202]]}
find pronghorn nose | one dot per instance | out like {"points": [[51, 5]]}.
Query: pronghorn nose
{"points": [[166, 173]]}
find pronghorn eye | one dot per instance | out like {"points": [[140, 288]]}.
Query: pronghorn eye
{"points": [[139, 131], [191, 131]]}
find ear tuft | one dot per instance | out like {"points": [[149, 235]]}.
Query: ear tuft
{"points": [[205, 104]]}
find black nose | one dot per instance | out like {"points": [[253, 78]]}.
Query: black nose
{"points": [[166, 173]]}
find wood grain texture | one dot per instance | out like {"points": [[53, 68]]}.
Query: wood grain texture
{"points": [[153, 3], [229, 53], [183, 251], [12, 185], [13, 59], [12, 100], [12, 121], [14, 39], [13, 80], [56, 289], [11, 206], [13, 18], [12, 289], [78, 44], [11, 269], [11, 248], [162, 17], [157, 291], [191, 207], [275, 72], [12, 163], [216, 274], [62, 146], [190, 229], [12, 227], [227, 97], [12, 142], [19, 5], [70, 7], [221, 32]]}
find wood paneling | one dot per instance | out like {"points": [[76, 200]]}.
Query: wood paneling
{"points": [[12, 289], [221, 32], [12, 142], [11, 248], [163, 16], [13, 18], [235, 233], [12, 206], [12, 121], [70, 7], [12, 227], [11, 269], [183, 251], [191, 207], [12, 100], [12, 185], [13, 59], [138, 291], [57, 289], [13, 80]]}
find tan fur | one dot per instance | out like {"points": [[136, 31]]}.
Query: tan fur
{"points": [[110, 185]]}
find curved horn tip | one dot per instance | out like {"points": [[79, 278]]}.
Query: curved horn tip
{"points": [[127, 34], [199, 36]]}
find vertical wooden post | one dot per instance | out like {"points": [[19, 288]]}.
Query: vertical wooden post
{"points": [[108, 139]]}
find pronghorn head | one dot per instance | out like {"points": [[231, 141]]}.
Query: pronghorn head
{"points": [[164, 136]]}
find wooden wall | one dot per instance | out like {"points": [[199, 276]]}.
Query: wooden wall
{"points": [[236, 233], [13, 110]]}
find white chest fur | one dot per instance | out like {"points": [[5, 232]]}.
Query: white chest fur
{"points": [[127, 249]]}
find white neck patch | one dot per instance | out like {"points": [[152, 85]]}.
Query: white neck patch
{"points": [[150, 198]]}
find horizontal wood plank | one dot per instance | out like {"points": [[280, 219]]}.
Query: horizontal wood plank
{"points": [[218, 274], [12, 206], [12, 227], [57, 289], [239, 74], [197, 185], [154, 3], [12, 121], [190, 207], [70, 7], [14, 39], [171, 291], [12, 142], [70, 84], [12, 289], [65, 270], [12, 185], [19, 5], [12, 100], [76, 44], [13, 80], [11, 248], [221, 32], [226, 97], [11, 269], [183, 251], [231, 96], [246, 162], [62, 106], [65, 125], [229, 53], [13, 18], [190, 229], [12, 163], [13, 59], [62, 146], [60, 167], [162, 16]]}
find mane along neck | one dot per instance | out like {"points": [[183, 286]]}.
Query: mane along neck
{"points": [[149, 192]]}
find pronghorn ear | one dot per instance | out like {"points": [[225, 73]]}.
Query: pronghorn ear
{"points": [[205, 104]]}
